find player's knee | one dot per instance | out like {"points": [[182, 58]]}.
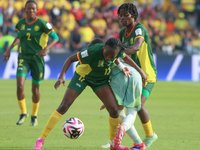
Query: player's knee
{"points": [[20, 88], [64, 106], [35, 91], [113, 112]]}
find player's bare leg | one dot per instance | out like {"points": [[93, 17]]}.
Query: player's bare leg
{"points": [[21, 99], [35, 103], [146, 123]]}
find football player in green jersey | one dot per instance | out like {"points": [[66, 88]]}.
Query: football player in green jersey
{"points": [[135, 36], [32, 35], [93, 69]]}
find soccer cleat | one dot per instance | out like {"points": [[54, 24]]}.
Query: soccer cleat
{"points": [[150, 139], [34, 121], [120, 147], [22, 118], [118, 138], [138, 147], [107, 145], [39, 143]]}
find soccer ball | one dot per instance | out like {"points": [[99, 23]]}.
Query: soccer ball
{"points": [[73, 128]]}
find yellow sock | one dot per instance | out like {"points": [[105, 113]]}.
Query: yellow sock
{"points": [[22, 106], [148, 128], [54, 118], [35, 107], [113, 124]]}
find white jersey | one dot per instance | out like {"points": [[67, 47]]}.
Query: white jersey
{"points": [[127, 90]]}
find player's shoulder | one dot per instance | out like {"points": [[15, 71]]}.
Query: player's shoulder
{"points": [[41, 20], [123, 30], [95, 49], [22, 20], [139, 25]]}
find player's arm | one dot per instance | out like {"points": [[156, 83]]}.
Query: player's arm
{"points": [[129, 61], [64, 69], [7, 53], [135, 47], [123, 68], [54, 40]]}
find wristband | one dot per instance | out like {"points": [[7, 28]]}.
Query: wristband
{"points": [[120, 66]]}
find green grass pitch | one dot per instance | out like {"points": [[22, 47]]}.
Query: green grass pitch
{"points": [[174, 109]]}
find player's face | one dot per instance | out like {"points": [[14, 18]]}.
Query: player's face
{"points": [[31, 9], [125, 18], [110, 53]]}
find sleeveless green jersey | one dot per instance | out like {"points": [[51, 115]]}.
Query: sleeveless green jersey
{"points": [[33, 36], [143, 58], [92, 65]]}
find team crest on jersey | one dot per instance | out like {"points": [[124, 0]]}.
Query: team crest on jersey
{"points": [[23, 27], [101, 63], [36, 28]]}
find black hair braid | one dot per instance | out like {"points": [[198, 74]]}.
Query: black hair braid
{"points": [[115, 43], [30, 1], [130, 8]]}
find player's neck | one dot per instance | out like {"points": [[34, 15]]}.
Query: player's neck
{"points": [[31, 19]]}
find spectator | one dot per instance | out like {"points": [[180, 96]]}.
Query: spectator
{"points": [[181, 23], [169, 14], [75, 39], [148, 12]]}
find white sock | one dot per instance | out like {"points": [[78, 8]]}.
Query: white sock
{"points": [[129, 127]]}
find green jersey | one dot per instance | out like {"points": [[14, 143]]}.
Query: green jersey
{"points": [[92, 65], [143, 58], [33, 36]]}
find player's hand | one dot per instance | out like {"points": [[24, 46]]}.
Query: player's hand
{"points": [[6, 56], [102, 107], [58, 83], [144, 79], [126, 71], [42, 52]]}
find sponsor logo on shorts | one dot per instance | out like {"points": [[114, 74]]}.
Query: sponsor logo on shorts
{"points": [[78, 85], [41, 74]]}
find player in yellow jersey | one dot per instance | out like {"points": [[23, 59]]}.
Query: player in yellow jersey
{"points": [[32, 35]]}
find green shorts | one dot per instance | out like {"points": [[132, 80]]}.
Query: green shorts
{"points": [[147, 89], [33, 63], [78, 83]]}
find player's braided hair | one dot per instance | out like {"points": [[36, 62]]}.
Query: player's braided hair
{"points": [[130, 8], [95, 41], [30, 1], [115, 43]]}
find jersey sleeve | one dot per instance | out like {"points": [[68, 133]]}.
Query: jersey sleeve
{"points": [[17, 27], [139, 32], [84, 57], [47, 27]]}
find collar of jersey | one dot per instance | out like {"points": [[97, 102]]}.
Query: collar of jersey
{"points": [[131, 30], [31, 22]]}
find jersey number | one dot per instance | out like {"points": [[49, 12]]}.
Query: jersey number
{"points": [[20, 62], [29, 35], [107, 71]]}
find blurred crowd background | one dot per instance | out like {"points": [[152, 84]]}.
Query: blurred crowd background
{"points": [[173, 25]]}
